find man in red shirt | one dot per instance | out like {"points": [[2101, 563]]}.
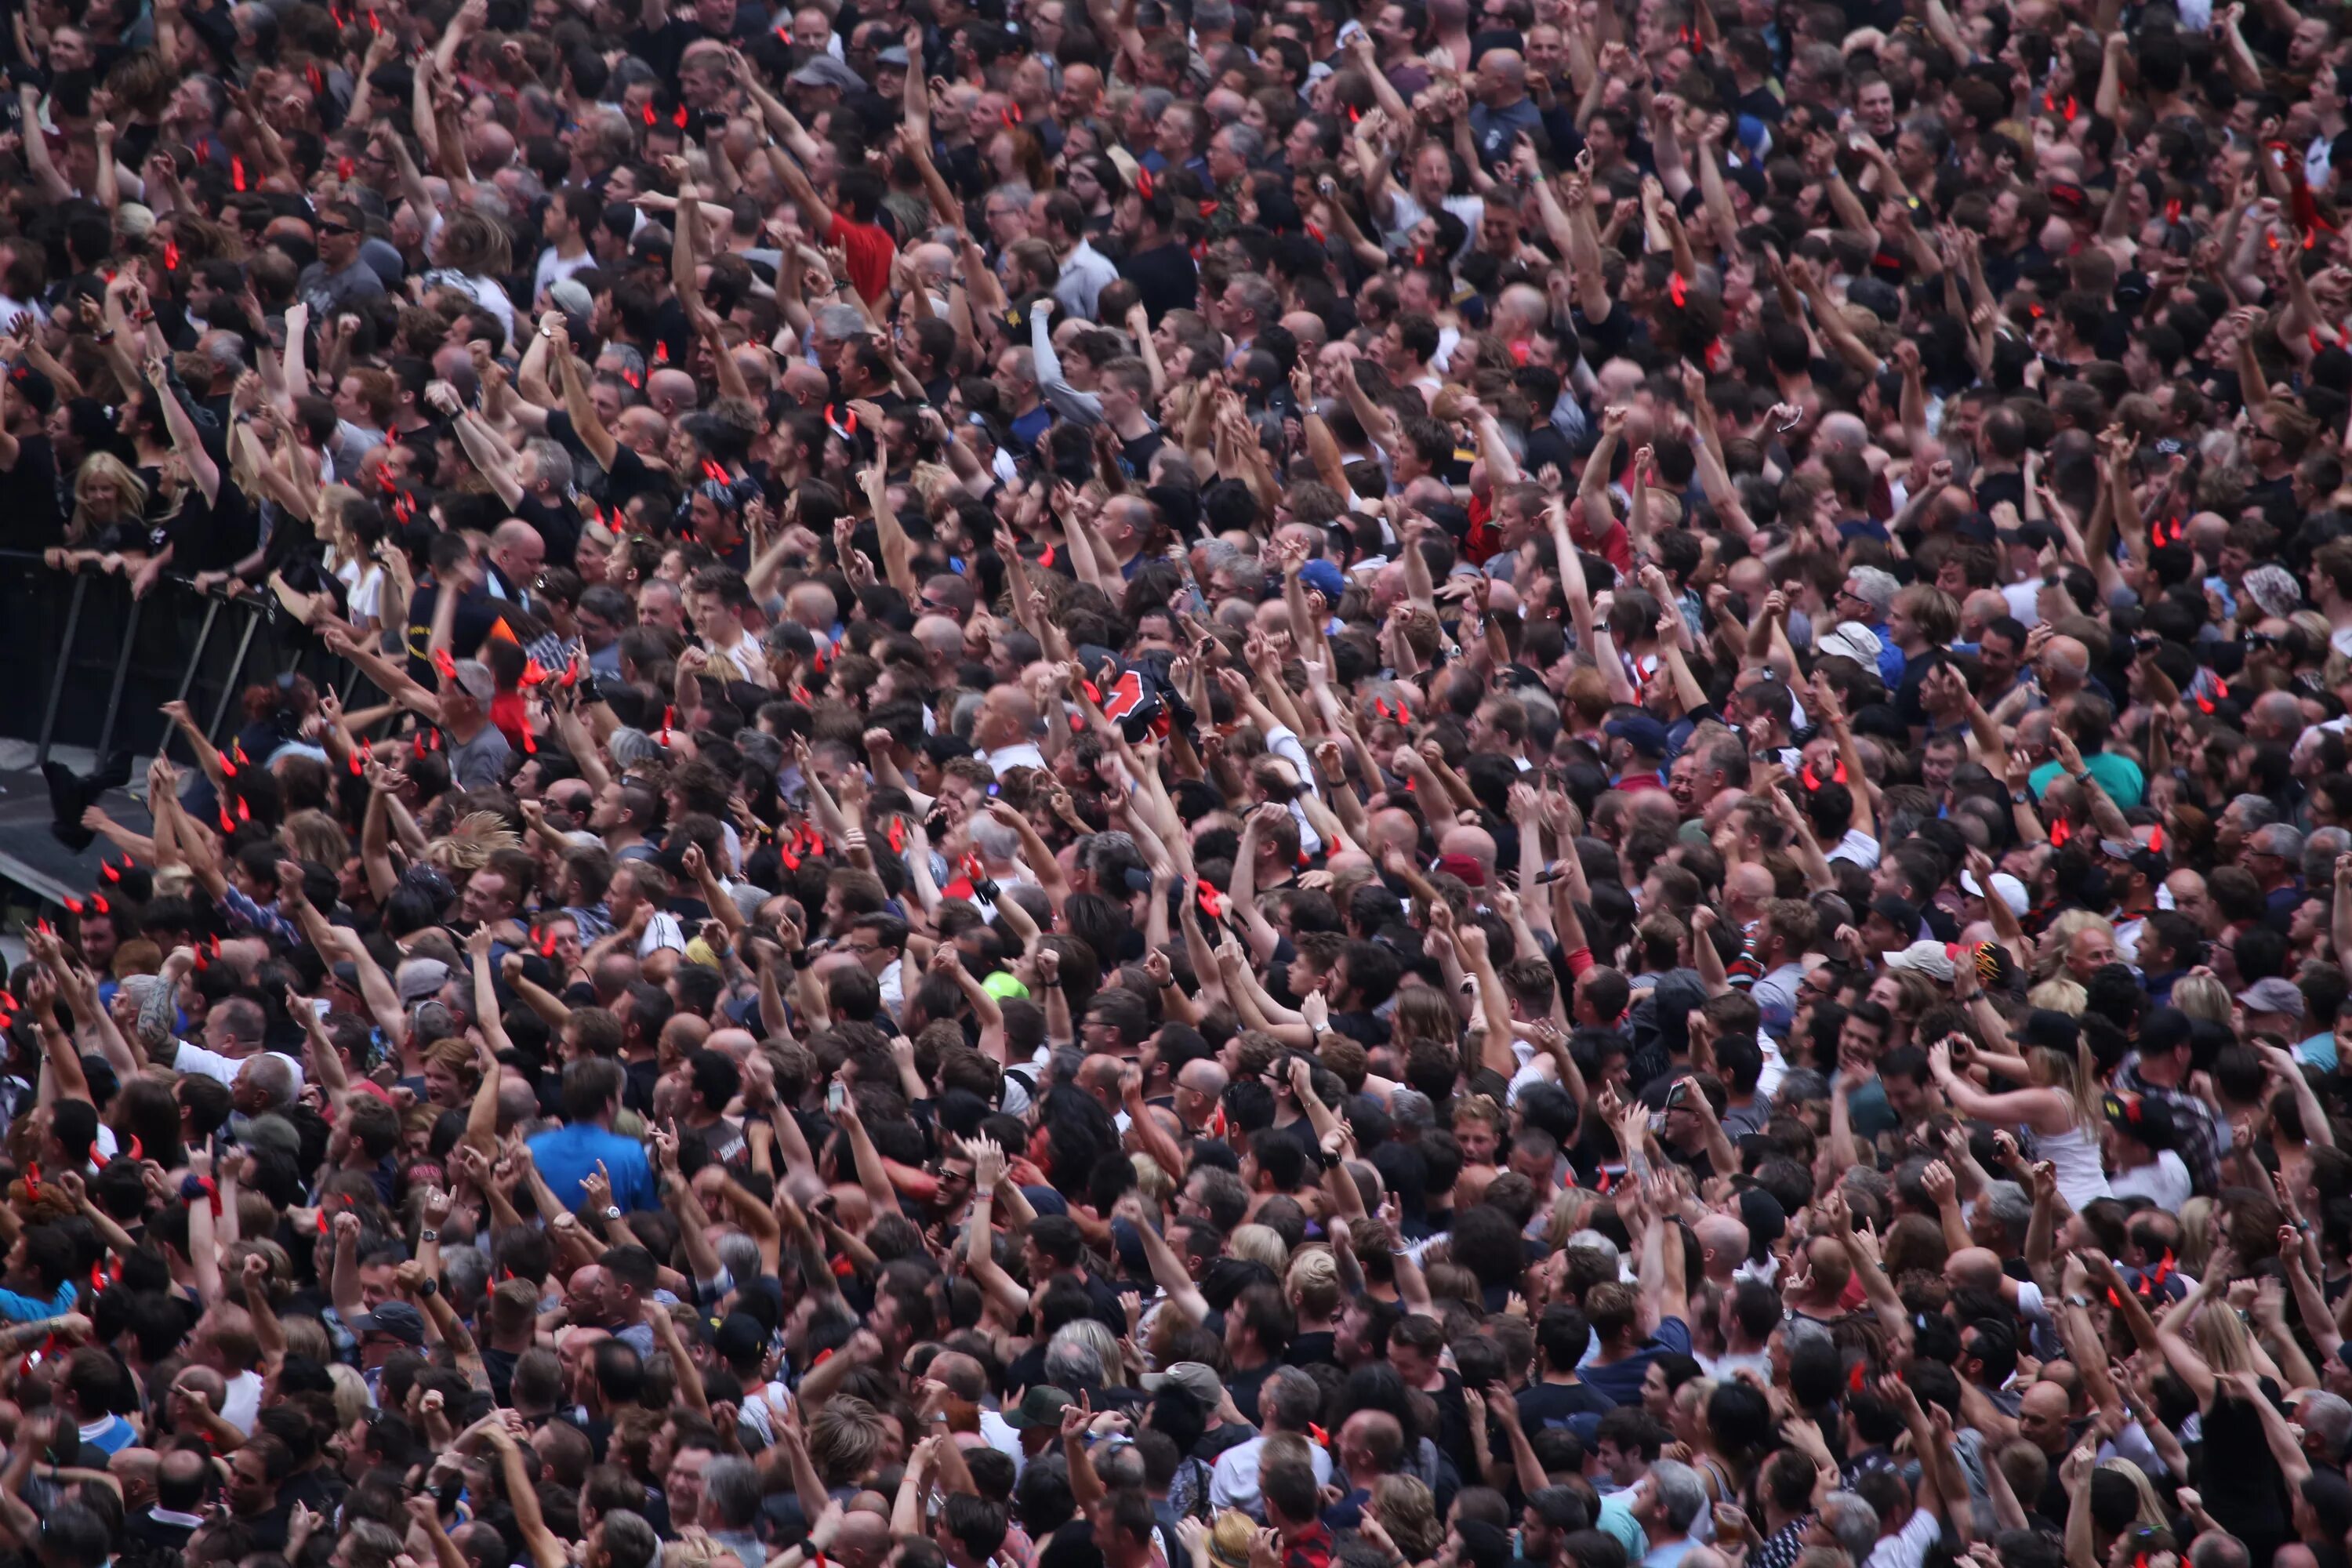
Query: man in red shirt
{"points": [[1637, 751]]}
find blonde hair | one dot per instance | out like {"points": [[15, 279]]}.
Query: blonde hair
{"points": [[113, 470], [314, 837], [2203, 996], [2060, 994], [2075, 1077], [1259, 1243], [1091, 1333], [351, 1399], [2151, 1511], [1408, 1512], [1314, 1281], [2221, 1338], [2196, 1230]]}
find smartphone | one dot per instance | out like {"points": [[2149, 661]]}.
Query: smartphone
{"points": [[836, 1095]]}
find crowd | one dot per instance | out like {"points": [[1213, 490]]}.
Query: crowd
{"points": [[1189, 782]]}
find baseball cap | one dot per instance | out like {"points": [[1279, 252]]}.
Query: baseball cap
{"points": [[1900, 913], [475, 679], [823, 71], [398, 1318], [2006, 887], [1196, 1378], [2272, 995], [34, 387], [2054, 1031], [1923, 957], [421, 978], [1641, 732], [1851, 640], [1324, 578], [1041, 1406], [2140, 1116]]}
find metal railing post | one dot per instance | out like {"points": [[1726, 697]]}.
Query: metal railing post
{"points": [[121, 674], [230, 688], [65, 660]]}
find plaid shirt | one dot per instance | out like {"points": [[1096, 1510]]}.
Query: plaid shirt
{"points": [[1309, 1547], [2196, 1125]]}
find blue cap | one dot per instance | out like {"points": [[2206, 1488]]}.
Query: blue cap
{"points": [[1643, 733], [1324, 578]]}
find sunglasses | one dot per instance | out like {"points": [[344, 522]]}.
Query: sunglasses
{"points": [[335, 228]]}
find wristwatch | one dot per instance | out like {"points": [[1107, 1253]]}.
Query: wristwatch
{"points": [[431, 1287], [612, 1213], [2020, 796], [429, 1233]]}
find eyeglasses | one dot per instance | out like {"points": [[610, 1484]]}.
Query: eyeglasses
{"points": [[336, 229]]}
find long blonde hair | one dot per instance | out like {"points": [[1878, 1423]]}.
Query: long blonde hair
{"points": [[2220, 1338], [113, 470], [2076, 1077]]}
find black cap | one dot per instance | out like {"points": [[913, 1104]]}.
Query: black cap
{"points": [[2053, 1031]]}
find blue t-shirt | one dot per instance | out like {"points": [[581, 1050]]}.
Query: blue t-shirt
{"points": [[567, 1158], [1622, 1380]]}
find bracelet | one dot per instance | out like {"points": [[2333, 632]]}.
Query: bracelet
{"points": [[983, 1192], [103, 337]]}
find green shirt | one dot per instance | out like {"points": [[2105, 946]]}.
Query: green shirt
{"points": [[2119, 777]]}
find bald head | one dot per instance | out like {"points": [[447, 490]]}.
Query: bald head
{"points": [[1973, 1268], [1202, 1077]]}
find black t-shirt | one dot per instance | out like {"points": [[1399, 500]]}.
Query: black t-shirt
{"points": [[1547, 1405], [1315, 1348], [628, 477], [1244, 1386], [30, 518], [1165, 276]]}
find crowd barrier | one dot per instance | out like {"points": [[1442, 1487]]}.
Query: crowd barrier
{"points": [[96, 665]]}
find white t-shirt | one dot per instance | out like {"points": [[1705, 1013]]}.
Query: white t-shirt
{"points": [[553, 269], [224, 1070], [2165, 1183], [1907, 1547]]}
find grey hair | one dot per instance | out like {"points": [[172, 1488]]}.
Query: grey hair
{"points": [[467, 1270], [1246, 143], [740, 1256], [2011, 1209], [2329, 1418], [1682, 1494], [1084, 1349], [731, 1486], [2256, 809], [1407, 1107], [632, 362], [1853, 1522], [271, 1078], [994, 839], [839, 324], [629, 748], [551, 462], [1290, 1399], [2279, 839], [1071, 1365]]}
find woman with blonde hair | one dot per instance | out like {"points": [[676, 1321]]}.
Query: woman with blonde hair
{"points": [[2203, 996], [2061, 1107], [110, 507]]}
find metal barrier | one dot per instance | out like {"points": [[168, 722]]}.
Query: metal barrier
{"points": [[108, 661]]}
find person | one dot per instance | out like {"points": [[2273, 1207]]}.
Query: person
{"points": [[1311, 759]]}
